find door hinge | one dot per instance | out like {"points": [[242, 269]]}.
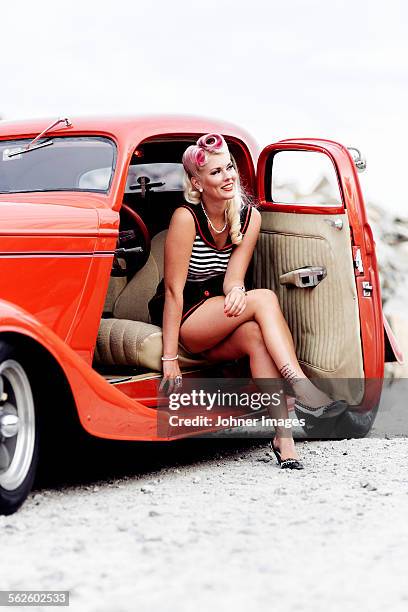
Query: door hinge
{"points": [[367, 289], [358, 261], [337, 223]]}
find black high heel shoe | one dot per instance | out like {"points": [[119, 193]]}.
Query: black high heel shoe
{"points": [[327, 411], [286, 464]]}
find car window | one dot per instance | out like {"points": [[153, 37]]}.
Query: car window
{"points": [[60, 164], [156, 176], [304, 177]]}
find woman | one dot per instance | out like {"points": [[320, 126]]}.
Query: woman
{"points": [[208, 249]]}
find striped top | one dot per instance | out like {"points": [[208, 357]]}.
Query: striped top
{"points": [[206, 260]]}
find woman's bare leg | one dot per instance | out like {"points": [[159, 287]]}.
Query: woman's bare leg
{"points": [[208, 325], [247, 340]]}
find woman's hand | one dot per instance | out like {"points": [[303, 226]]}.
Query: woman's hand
{"points": [[235, 302], [171, 369]]}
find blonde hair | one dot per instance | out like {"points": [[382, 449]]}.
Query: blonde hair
{"points": [[195, 157]]}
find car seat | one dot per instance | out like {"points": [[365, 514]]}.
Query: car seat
{"points": [[128, 337]]}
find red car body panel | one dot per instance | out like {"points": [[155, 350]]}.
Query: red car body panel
{"points": [[103, 410], [71, 245]]}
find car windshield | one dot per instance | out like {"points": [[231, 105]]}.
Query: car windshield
{"points": [[62, 164]]}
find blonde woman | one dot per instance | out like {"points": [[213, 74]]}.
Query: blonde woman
{"points": [[203, 299]]}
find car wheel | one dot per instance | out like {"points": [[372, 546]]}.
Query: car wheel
{"points": [[18, 430], [350, 424], [353, 424]]}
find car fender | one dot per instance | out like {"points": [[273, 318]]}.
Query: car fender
{"points": [[103, 410]]}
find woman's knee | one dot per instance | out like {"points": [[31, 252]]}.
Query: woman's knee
{"points": [[261, 297]]}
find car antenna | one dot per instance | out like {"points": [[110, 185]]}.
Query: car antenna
{"points": [[65, 120]]}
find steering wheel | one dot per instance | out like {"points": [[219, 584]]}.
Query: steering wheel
{"points": [[133, 247]]}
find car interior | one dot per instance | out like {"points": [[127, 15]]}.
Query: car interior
{"points": [[323, 319], [127, 342]]}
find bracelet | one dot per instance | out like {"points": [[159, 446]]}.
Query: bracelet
{"points": [[169, 358], [240, 287]]}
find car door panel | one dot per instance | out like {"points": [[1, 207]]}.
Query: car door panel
{"points": [[324, 320], [337, 325]]}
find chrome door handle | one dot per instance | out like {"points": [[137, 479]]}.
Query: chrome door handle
{"points": [[309, 276]]}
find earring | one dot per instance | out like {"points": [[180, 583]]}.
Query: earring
{"points": [[201, 190]]}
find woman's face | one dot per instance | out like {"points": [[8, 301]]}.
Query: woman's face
{"points": [[217, 178]]}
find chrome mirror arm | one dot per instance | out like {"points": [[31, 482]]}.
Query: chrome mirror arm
{"points": [[47, 129]]}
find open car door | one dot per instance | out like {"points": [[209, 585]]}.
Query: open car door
{"points": [[316, 251]]}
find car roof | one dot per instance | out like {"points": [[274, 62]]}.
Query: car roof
{"points": [[130, 129]]}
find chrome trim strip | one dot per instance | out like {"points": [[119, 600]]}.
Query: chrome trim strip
{"points": [[58, 255], [77, 233]]}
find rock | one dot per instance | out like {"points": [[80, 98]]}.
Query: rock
{"points": [[391, 238], [368, 486], [147, 489], [402, 251], [399, 233]]}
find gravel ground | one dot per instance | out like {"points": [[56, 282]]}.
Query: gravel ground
{"points": [[215, 523]]}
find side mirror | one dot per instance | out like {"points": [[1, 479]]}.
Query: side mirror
{"points": [[358, 159]]}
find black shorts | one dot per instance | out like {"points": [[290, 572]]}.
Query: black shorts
{"points": [[194, 294]]}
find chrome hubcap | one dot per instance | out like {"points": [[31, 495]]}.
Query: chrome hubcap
{"points": [[8, 425], [17, 424]]}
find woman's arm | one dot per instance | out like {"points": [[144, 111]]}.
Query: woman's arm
{"points": [[238, 265], [177, 252]]}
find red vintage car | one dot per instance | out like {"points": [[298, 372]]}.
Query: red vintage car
{"points": [[84, 208]]}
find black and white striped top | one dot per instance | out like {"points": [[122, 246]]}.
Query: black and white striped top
{"points": [[206, 259]]}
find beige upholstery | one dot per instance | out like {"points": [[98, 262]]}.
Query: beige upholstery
{"points": [[324, 320], [128, 338], [135, 343], [115, 288], [132, 302]]}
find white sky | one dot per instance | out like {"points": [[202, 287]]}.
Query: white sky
{"points": [[279, 68]]}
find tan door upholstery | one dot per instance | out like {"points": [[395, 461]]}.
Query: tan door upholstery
{"points": [[324, 320]]}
